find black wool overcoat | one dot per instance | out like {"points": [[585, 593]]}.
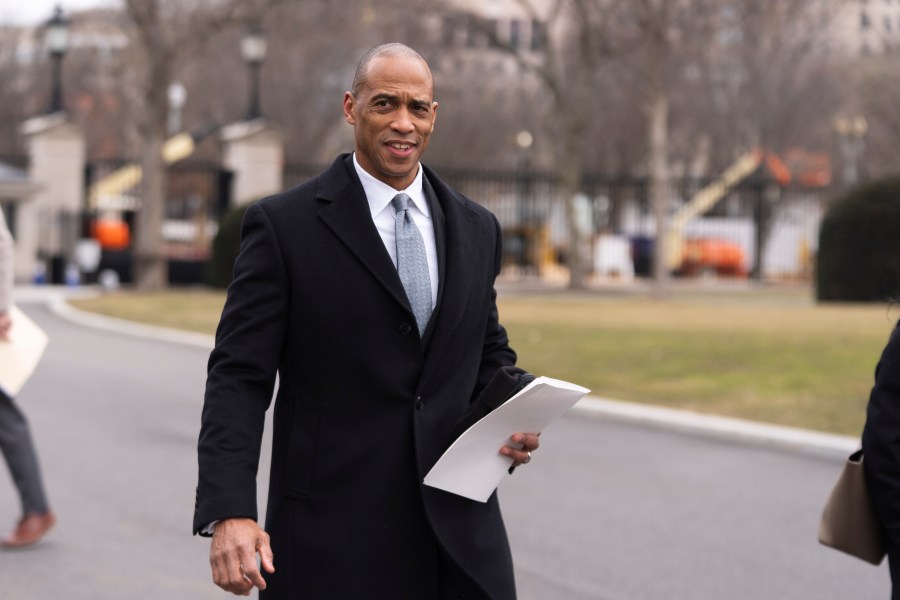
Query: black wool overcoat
{"points": [[364, 407]]}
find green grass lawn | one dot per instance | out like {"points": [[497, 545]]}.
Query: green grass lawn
{"points": [[769, 357], [798, 365]]}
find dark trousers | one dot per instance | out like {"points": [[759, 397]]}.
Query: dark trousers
{"points": [[21, 457]]}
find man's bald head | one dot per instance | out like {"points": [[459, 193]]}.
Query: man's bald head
{"points": [[393, 49]]}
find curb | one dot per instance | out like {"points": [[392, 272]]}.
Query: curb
{"points": [[63, 309], [735, 430], [818, 443]]}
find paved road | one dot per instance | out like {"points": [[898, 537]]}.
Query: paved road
{"points": [[607, 510]]}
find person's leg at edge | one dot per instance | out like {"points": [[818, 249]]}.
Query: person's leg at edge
{"points": [[21, 458]]}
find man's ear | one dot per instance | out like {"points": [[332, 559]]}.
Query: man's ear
{"points": [[434, 107], [349, 106]]}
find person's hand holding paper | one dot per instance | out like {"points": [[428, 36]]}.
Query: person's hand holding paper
{"points": [[524, 445], [472, 467]]}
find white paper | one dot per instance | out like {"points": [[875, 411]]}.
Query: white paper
{"points": [[473, 466], [21, 353]]}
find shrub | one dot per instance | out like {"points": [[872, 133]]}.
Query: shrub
{"points": [[859, 245], [225, 248]]}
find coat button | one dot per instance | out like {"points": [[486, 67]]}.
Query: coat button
{"points": [[405, 329], [419, 403]]}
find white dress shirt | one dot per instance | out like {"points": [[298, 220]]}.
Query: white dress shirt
{"points": [[379, 196]]}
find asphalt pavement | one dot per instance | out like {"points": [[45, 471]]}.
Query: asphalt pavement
{"points": [[611, 507]]}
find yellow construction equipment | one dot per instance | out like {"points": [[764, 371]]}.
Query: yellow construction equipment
{"points": [[703, 200]]}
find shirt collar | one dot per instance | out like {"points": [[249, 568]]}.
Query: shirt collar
{"points": [[380, 194]]}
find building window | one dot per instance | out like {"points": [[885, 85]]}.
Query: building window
{"points": [[887, 23], [864, 22], [494, 29], [538, 36], [515, 33], [473, 34]]}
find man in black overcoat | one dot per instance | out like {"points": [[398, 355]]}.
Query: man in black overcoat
{"points": [[368, 396]]}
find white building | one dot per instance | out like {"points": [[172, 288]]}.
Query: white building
{"points": [[866, 27]]}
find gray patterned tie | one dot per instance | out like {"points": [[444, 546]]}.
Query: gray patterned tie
{"points": [[411, 262]]}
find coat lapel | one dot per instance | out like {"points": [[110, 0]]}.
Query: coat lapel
{"points": [[460, 233], [347, 214]]}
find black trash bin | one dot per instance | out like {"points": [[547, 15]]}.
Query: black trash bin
{"points": [[642, 255]]}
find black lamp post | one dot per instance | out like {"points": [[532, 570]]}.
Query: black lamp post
{"points": [[851, 130], [527, 226], [56, 38], [253, 49]]}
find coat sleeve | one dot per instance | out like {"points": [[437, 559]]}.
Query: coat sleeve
{"points": [[881, 441], [241, 375]]}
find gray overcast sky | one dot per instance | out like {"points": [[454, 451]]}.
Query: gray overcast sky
{"points": [[32, 12]]}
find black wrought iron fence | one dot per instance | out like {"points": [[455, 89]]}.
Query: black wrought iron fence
{"points": [[757, 228]]}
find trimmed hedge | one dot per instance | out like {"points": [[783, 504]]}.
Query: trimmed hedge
{"points": [[859, 245], [225, 248]]}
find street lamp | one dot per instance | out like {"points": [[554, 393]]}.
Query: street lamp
{"points": [[526, 228], [253, 49], [56, 38], [177, 97], [852, 132]]}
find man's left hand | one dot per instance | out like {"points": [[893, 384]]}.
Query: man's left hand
{"points": [[521, 455]]}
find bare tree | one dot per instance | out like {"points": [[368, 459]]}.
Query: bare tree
{"points": [[311, 62], [877, 87], [564, 67], [665, 37], [166, 31], [582, 35], [18, 98], [654, 21], [774, 84]]}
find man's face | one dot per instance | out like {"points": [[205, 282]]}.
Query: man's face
{"points": [[393, 116]]}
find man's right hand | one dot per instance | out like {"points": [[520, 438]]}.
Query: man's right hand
{"points": [[232, 555]]}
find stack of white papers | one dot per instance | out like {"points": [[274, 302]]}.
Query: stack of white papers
{"points": [[473, 466], [21, 353]]}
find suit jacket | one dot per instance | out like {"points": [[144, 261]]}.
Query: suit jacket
{"points": [[364, 406]]}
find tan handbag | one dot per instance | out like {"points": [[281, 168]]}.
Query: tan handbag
{"points": [[848, 521]]}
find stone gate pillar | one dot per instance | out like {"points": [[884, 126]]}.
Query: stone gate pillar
{"points": [[254, 152], [50, 224]]}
